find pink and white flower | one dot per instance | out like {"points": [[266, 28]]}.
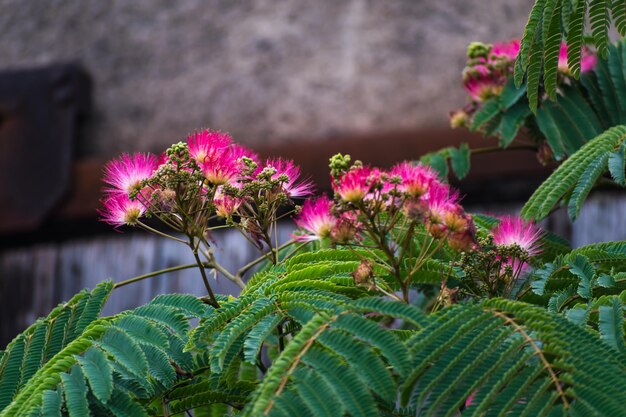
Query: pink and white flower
{"points": [[440, 200], [119, 210], [125, 174], [515, 231], [239, 151], [415, 178], [482, 82], [316, 219], [355, 184], [215, 155], [508, 50], [294, 187], [225, 205], [442, 205]]}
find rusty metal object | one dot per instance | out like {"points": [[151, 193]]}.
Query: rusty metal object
{"points": [[40, 110]]}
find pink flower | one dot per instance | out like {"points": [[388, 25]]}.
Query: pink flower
{"points": [[126, 173], [515, 231], [508, 50], [293, 187], [206, 143], [588, 60], [225, 205], [415, 178], [239, 151], [482, 83], [355, 184], [316, 219], [440, 200], [120, 210], [215, 155], [442, 205]]}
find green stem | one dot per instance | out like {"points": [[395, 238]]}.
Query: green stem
{"points": [[213, 300], [159, 272], [491, 149], [213, 262], [158, 232]]}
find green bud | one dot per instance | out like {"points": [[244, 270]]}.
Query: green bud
{"points": [[339, 164], [478, 50]]}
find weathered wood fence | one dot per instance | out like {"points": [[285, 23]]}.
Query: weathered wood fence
{"points": [[35, 279]]}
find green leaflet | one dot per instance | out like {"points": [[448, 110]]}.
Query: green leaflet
{"points": [[52, 401], [599, 21], [575, 37], [127, 352], [587, 180], [617, 165], [610, 324], [488, 111], [75, 391], [580, 266], [257, 335], [318, 395], [552, 42], [354, 394], [460, 160], [98, 372], [104, 369], [531, 33], [618, 12]]}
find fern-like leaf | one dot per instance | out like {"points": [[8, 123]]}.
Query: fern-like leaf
{"points": [[617, 165], [565, 178], [552, 42], [599, 21], [587, 180], [98, 372], [611, 324], [531, 33], [575, 37], [618, 12]]}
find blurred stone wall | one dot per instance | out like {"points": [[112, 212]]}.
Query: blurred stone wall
{"points": [[262, 70]]}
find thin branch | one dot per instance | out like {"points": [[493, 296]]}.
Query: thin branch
{"points": [[491, 149], [159, 272], [158, 232], [212, 299]]}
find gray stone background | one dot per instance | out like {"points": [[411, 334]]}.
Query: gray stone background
{"points": [[262, 70]]}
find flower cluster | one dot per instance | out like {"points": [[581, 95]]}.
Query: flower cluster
{"points": [[503, 258], [366, 196], [207, 176], [403, 216], [489, 67], [125, 176], [406, 213]]}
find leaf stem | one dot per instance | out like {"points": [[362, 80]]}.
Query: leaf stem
{"points": [[159, 272]]}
